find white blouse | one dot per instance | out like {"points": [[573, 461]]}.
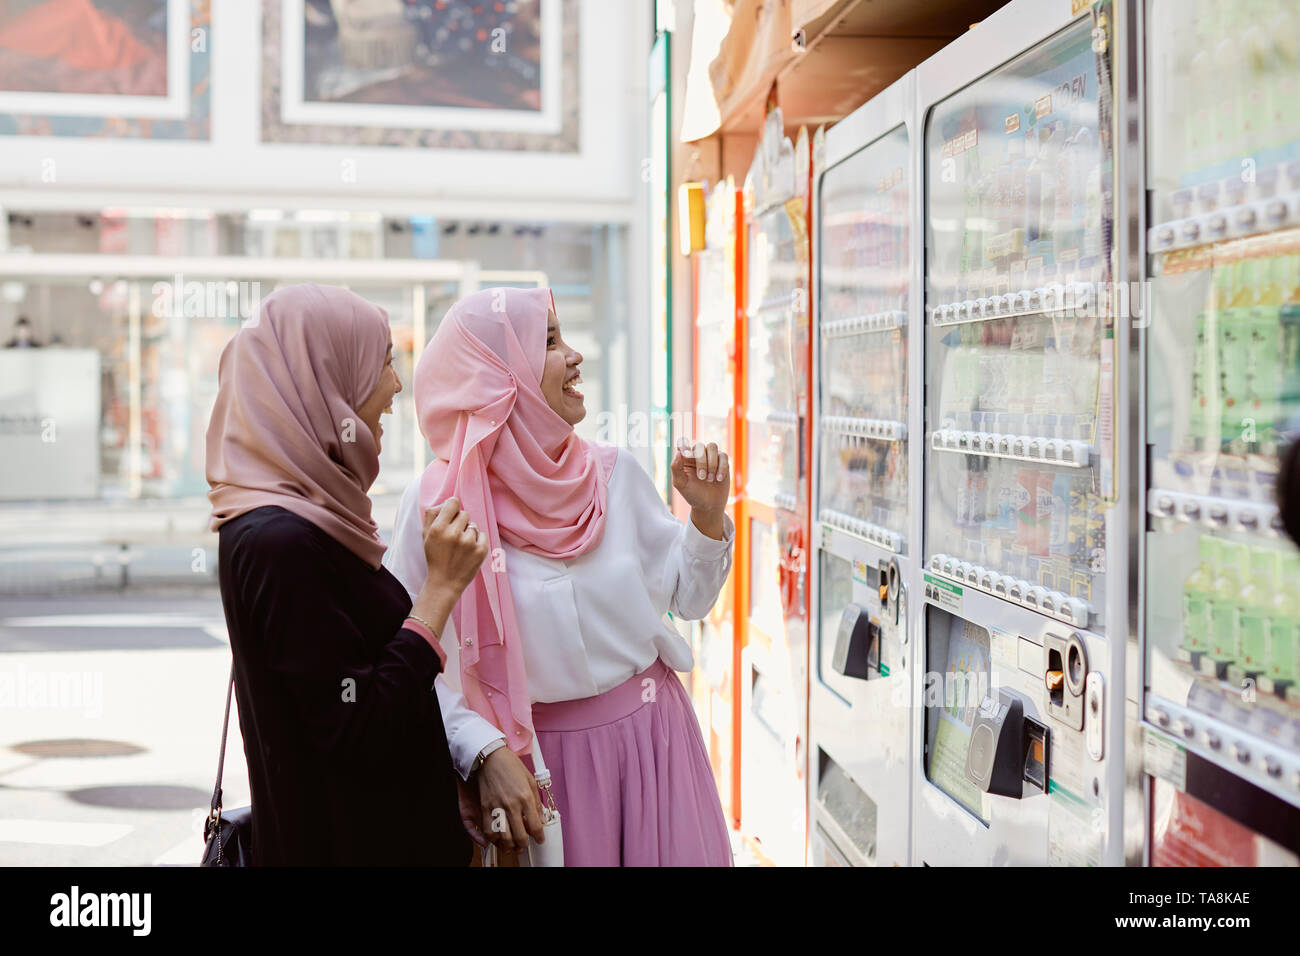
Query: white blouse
{"points": [[589, 623]]}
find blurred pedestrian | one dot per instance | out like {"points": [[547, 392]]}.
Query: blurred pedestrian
{"points": [[562, 633], [23, 337], [334, 665]]}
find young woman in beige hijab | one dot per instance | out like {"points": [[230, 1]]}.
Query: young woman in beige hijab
{"points": [[334, 662]]}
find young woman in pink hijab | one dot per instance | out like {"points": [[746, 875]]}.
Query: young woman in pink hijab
{"points": [[334, 663], [561, 633]]}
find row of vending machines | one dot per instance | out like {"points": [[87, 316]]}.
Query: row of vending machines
{"points": [[1005, 359]]}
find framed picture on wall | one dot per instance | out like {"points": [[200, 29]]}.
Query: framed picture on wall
{"points": [[118, 68], [491, 74]]}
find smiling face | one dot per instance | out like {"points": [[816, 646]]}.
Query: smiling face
{"points": [[560, 376], [380, 400]]}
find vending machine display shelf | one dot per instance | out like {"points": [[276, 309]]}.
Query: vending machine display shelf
{"points": [[1040, 451], [881, 537], [1074, 298], [1055, 604], [779, 419], [779, 304], [856, 324], [864, 427], [1229, 222], [1237, 738], [1224, 514]]}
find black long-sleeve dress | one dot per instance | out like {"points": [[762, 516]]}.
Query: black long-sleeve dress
{"points": [[347, 755]]}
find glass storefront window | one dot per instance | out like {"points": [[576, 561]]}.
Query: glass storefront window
{"points": [[159, 348]]}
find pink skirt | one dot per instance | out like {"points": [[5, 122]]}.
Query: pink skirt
{"points": [[631, 778]]}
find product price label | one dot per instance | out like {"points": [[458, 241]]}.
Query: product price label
{"points": [[1164, 758], [944, 593]]}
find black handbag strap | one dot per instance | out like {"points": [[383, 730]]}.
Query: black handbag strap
{"points": [[225, 729]]}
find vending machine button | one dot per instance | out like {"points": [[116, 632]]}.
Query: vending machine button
{"points": [[1158, 716], [1246, 219], [1275, 211], [1272, 767], [1217, 225], [1241, 752], [1213, 740], [1191, 230], [1164, 236], [1186, 728], [1077, 610]]}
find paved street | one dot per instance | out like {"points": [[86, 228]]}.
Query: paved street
{"points": [[110, 714]]}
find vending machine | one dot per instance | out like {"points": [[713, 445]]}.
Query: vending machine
{"points": [[1022, 630], [1220, 609], [718, 274], [866, 531], [773, 539]]}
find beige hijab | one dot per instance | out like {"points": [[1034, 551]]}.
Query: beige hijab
{"points": [[285, 429]]}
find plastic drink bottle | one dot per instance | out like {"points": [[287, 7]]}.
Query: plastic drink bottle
{"points": [[1256, 610], [1284, 625], [1225, 631], [1196, 604], [1264, 348]]}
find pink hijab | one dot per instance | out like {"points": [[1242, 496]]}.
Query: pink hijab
{"points": [[516, 466], [285, 429]]}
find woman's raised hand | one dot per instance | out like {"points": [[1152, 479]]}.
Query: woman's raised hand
{"points": [[454, 548], [702, 475]]}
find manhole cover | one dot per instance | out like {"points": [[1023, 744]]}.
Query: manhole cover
{"points": [[77, 747], [146, 797]]}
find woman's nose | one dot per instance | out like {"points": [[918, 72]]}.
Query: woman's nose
{"points": [[398, 380], [575, 357]]}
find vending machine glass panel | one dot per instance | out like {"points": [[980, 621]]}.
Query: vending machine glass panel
{"points": [[776, 281], [862, 317], [1020, 361], [1221, 580]]}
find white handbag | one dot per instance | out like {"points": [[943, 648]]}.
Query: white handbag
{"points": [[550, 853]]}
